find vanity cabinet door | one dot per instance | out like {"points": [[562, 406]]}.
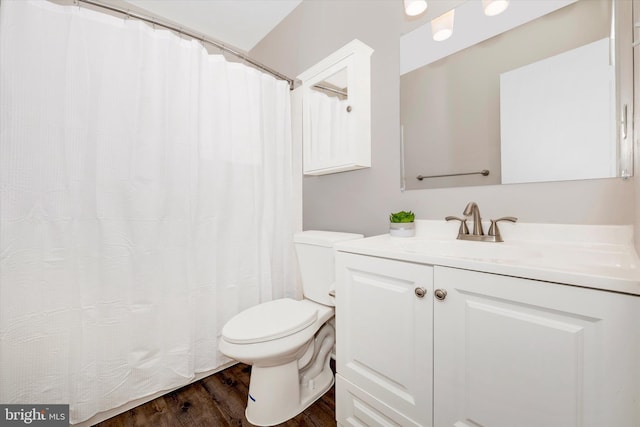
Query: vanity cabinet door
{"points": [[517, 352], [384, 335]]}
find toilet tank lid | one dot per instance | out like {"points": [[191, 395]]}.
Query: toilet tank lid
{"points": [[324, 238]]}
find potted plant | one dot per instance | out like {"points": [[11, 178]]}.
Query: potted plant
{"points": [[401, 224]]}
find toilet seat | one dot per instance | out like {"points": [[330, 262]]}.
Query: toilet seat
{"points": [[269, 321]]}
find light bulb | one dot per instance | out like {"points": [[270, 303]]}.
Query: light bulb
{"points": [[494, 7], [442, 26], [415, 7]]}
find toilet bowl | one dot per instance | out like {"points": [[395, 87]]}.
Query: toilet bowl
{"points": [[289, 342], [278, 351]]}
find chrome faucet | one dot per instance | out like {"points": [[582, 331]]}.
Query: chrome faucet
{"points": [[472, 209], [478, 233]]}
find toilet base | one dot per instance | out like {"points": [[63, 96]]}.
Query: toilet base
{"points": [[276, 395]]}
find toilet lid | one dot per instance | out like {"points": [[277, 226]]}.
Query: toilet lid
{"points": [[269, 321]]}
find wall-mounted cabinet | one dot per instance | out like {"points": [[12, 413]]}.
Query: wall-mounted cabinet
{"points": [[336, 111]]}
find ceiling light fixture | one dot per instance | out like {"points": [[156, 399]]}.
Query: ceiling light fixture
{"points": [[415, 7], [494, 7], [442, 26]]}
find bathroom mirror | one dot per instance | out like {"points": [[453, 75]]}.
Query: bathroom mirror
{"points": [[334, 86], [336, 112], [541, 99]]}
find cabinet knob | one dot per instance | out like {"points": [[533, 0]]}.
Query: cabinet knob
{"points": [[420, 292], [440, 294]]}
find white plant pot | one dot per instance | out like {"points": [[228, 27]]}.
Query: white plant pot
{"points": [[402, 229]]}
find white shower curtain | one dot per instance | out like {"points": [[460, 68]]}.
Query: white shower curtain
{"points": [[145, 198], [329, 123]]}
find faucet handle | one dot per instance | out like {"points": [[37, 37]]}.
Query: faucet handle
{"points": [[495, 231], [463, 224]]}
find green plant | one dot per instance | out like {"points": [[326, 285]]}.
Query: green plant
{"points": [[402, 216]]}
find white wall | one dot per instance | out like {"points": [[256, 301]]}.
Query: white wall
{"points": [[360, 201]]}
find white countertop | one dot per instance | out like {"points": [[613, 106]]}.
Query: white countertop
{"points": [[599, 257]]}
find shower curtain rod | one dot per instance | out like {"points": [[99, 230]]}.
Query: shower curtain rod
{"points": [[193, 36], [332, 90]]}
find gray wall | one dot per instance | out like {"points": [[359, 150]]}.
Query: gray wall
{"points": [[360, 201]]}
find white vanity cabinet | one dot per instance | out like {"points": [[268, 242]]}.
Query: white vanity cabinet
{"points": [[519, 352], [496, 351], [383, 342]]}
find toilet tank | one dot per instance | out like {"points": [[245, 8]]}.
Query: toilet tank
{"points": [[316, 261]]}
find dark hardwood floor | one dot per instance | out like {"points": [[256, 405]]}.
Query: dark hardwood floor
{"points": [[217, 400]]}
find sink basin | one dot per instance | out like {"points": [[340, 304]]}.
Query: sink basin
{"points": [[494, 252], [601, 257], [588, 257]]}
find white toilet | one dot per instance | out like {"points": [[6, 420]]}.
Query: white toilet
{"points": [[289, 342]]}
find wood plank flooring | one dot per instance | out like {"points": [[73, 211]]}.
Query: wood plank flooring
{"points": [[218, 400]]}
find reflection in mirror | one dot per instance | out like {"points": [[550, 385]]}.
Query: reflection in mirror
{"points": [[544, 135], [535, 103], [334, 85], [329, 116]]}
